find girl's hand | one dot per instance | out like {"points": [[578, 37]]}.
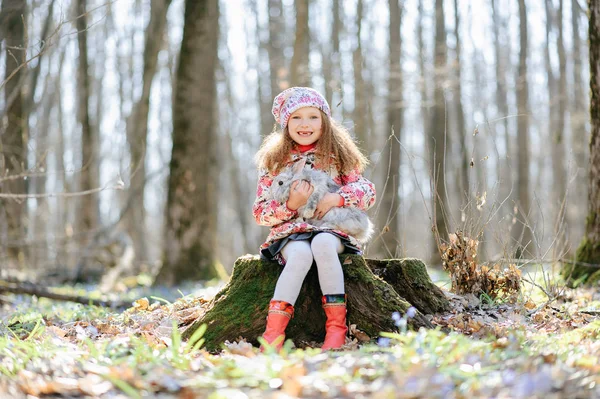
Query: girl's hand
{"points": [[299, 193], [329, 201]]}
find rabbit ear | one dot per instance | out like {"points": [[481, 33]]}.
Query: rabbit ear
{"points": [[297, 168]]}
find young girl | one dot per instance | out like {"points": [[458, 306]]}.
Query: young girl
{"points": [[308, 134]]}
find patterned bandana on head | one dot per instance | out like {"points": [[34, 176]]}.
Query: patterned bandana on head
{"points": [[295, 98]]}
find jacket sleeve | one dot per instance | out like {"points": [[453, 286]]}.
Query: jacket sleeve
{"points": [[267, 211], [358, 192]]}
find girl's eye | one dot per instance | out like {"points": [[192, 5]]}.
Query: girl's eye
{"points": [[281, 183]]}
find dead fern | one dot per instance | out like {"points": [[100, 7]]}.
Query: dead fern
{"points": [[459, 259]]}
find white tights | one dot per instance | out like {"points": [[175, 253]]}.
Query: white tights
{"points": [[324, 249]]}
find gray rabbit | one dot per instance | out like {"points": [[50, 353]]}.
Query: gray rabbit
{"points": [[352, 221]]}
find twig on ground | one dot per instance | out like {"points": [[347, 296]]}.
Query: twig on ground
{"points": [[32, 289]]}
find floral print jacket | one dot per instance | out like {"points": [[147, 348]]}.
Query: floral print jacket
{"points": [[355, 189]]}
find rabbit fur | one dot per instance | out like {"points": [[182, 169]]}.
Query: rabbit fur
{"points": [[352, 221]]}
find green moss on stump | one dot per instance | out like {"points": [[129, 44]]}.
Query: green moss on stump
{"points": [[588, 252], [240, 308], [410, 280]]}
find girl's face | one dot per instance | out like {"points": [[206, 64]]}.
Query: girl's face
{"points": [[304, 125]]}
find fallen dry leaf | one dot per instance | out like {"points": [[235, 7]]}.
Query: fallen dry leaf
{"points": [[292, 385], [59, 332], [141, 304], [360, 335], [240, 347]]}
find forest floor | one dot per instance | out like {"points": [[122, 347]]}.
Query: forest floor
{"points": [[481, 349]]}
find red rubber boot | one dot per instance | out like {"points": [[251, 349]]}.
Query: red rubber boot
{"points": [[280, 314], [335, 327]]}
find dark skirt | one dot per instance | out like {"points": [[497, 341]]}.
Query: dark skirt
{"points": [[273, 251]]}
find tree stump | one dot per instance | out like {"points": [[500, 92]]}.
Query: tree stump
{"points": [[375, 288]]}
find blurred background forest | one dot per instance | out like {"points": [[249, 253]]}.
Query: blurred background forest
{"points": [[128, 128]]}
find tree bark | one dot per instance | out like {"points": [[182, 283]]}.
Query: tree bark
{"points": [[29, 105], [39, 220], [137, 126], [423, 81], [465, 190], [13, 130], [275, 47], [437, 142], [562, 217], [300, 72], [359, 116], [90, 175], [558, 142], [237, 182], [502, 55], [389, 209], [554, 127], [191, 210], [331, 61], [63, 213], [373, 287], [579, 110], [521, 230], [589, 249], [256, 61]]}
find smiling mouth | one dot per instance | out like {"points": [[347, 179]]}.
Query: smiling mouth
{"points": [[305, 134]]}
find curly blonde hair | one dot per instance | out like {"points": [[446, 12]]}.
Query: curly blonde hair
{"points": [[335, 146]]}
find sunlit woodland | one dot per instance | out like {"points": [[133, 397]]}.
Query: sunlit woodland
{"points": [[128, 130], [474, 115]]}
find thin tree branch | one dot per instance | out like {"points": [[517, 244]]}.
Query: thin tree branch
{"points": [[32, 289]]}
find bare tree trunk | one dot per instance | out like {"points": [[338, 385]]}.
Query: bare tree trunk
{"points": [[593, 222], [552, 101], [461, 128], [437, 141], [13, 129], [556, 108], [338, 14], [372, 139], [502, 55], [522, 233], [237, 183], [589, 249], [64, 256], [300, 72], [191, 210], [331, 57], [36, 71], [359, 116], [275, 46], [40, 220], [389, 209], [423, 82], [89, 140], [137, 126], [478, 222], [264, 97], [423, 86], [558, 144], [578, 111]]}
